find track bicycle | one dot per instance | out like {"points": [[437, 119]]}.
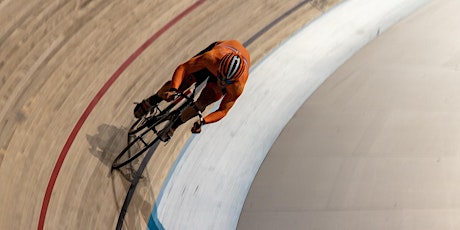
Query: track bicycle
{"points": [[154, 127]]}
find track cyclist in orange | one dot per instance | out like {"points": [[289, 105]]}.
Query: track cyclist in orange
{"points": [[225, 64]]}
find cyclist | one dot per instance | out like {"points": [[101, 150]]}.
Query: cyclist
{"points": [[225, 65]]}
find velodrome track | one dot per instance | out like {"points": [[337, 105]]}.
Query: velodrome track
{"points": [[70, 72], [85, 196]]}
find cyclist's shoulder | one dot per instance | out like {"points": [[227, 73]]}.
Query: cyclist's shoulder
{"points": [[209, 57], [207, 60], [220, 49]]}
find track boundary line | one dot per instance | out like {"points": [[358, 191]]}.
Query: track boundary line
{"points": [[93, 103]]}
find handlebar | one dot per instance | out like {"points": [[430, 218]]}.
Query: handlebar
{"points": [[180, 94]]}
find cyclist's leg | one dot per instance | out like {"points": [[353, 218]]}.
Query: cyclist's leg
{"points": [[210, 94], [187, 82], [142, 108], [199, 77], [162, 90]]}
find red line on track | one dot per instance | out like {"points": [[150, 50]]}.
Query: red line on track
{"points": [[93, 103]]}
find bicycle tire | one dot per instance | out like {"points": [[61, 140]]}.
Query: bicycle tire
{"points": [[148, 123], [117, 165], [140, 124], [137, 125], [135, 138]]}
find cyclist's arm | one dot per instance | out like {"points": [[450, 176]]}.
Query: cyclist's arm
{"points": [[193, 65], [226, 104]]}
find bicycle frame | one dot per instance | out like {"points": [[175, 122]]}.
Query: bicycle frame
{"points": [[169, 114], [172, 115]]}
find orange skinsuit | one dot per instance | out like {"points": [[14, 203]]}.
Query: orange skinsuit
{"points": [[214, 90]]}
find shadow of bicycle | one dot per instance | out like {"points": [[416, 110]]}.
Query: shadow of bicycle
{"points": [[107, 142]]}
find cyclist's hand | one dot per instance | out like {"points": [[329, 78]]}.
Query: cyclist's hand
{"points": [[196, 127], [169, 95]]}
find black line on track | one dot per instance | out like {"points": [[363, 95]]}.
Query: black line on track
{"points": [[273, 23]]}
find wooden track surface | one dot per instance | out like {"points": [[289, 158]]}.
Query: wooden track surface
{"points": [[55, 56]]}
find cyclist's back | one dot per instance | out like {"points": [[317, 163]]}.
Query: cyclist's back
{"points": [[226, 66]]}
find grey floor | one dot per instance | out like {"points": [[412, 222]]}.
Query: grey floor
{"points": [[377, 146]]}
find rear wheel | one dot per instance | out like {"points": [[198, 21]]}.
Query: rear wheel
{"points": [[131, 152], [143, 134], [140, 138]]}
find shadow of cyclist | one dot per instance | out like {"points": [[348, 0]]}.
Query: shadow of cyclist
{"points": [[107, 143]]}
